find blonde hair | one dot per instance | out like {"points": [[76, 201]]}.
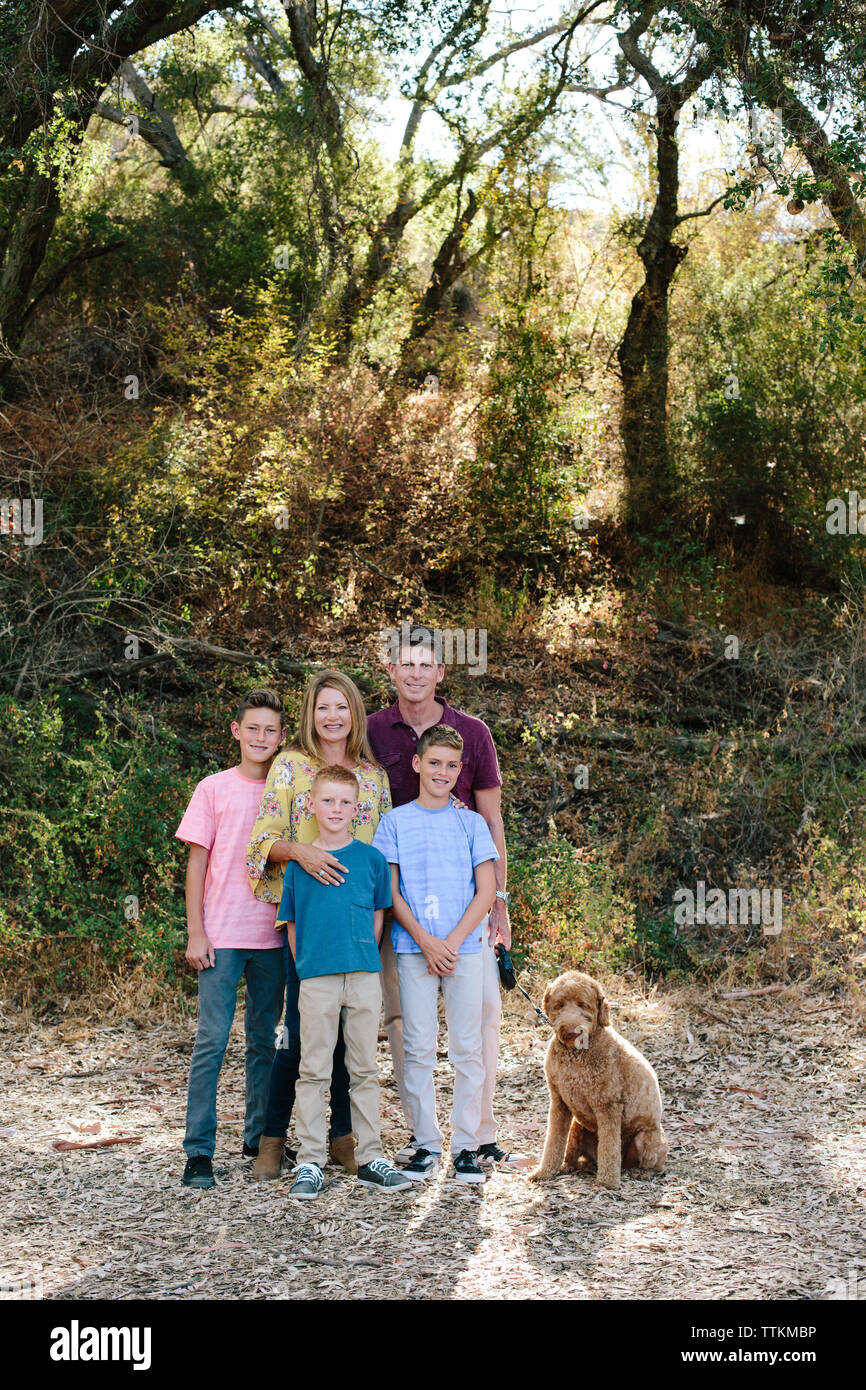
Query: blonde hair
{"points": [[306, 740], [335, 773]]}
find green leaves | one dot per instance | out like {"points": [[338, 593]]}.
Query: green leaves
{"points": [[87, 820], [523, 466]]}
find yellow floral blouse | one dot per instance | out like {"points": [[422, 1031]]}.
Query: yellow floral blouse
{"points": [[285, 815]]}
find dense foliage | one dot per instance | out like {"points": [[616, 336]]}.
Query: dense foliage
{"points": [[315, 320]]}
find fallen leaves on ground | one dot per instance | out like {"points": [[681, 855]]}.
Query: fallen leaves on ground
{"points": [[762, 1198]]}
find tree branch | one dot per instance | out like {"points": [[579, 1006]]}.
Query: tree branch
{"points": [[141, 24], [705, 212], [767, 84], [386, 237], [53, 283], [263, 68], [485, 64], [840, 200], [302, 27], [628, 42]]}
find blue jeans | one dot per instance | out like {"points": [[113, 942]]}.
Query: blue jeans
{"points": [[286, 1065], [217, 999]]}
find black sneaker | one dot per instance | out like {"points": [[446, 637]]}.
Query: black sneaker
{"points": [[491, 1154], [467, 1168], [407, 1153], [198, 1172], [423, 1165]]}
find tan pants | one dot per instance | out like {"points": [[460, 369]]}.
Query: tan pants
{"points": [[324, 999]]}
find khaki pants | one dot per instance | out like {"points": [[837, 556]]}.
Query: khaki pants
{"points": [[324, 999]]}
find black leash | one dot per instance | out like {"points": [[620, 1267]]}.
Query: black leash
{"points": [[509, 981]]}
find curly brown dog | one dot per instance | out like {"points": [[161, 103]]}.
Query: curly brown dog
{"points": [[605, 1103]]}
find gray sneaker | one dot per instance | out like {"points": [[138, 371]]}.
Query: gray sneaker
{"points": [[308, 1181], [380, 1173]]}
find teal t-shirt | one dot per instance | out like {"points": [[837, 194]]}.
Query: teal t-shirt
{"points": [[334, 922]]}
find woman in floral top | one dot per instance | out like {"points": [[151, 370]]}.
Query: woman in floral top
{"points": [[332, 729]]}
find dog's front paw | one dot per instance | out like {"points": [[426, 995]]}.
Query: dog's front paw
{"points": [[539, 1175], [609, 1181]]}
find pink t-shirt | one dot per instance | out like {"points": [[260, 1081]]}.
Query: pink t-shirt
{"points": [[220, 817]]}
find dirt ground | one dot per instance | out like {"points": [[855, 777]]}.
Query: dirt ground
{"points": [[763, 1196]]}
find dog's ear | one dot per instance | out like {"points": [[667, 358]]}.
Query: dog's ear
{"points": [[548, 994], [603, 1006]]}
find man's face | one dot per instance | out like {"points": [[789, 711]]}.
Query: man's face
{"points": [[438, 769], [259, 734], [334, 804], [416, 674]]}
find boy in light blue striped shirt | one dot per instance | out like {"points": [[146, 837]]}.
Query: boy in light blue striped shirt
{"points": [[442, 876]]}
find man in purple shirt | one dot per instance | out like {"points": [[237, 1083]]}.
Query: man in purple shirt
{"points": [[394, 733]]}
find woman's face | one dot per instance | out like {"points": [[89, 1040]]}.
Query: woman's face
{"points": [[332, 716]]}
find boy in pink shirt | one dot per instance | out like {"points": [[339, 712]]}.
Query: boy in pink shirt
{"points": [[231, 934]]}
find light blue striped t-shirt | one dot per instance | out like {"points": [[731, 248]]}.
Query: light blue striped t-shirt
{"points": [[438, 852]]}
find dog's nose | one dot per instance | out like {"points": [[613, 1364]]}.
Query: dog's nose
{"points": [[569, 1034]]}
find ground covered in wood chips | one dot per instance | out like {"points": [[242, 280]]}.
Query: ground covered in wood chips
{"points": [[763, 1196]]}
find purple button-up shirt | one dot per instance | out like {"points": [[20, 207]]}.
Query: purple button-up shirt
{"points": [[394, 744]]}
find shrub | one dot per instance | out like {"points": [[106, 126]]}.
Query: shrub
{"points": [[87, 848], [766, 423], [568, 914], [524, 474]]}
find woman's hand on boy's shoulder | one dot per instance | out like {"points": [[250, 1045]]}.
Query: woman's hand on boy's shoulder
{"points": [[199, 951], [320, 864]]}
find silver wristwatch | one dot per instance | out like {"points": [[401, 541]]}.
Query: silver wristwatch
{"points": [[506, 897]]}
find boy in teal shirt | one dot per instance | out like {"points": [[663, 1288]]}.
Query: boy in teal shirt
{"points": [[334, 932]]}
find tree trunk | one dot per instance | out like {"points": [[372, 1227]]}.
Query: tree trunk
{"points": [[380, 257], [643, 352], [54, 54], [448, 266], [25, 253]]}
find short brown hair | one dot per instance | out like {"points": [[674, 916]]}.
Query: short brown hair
{"points": [[334, 773], [442, 736], [261, 699]]}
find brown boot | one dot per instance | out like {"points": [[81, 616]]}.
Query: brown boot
{"points": [[269, 1163], [342, 1151]]}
